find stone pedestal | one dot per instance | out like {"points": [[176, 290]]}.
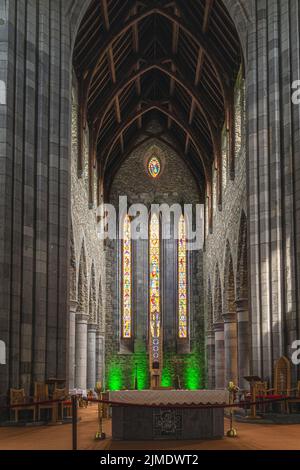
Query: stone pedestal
{"points": [[91, 356], [72, 345], [210, 354], [243, 342], [100, 357], [230, 347], [81, 351], [219, 355]]}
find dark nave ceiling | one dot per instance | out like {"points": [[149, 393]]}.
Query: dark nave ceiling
{"points": [[172, 61]]}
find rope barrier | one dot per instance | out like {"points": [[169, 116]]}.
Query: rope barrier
{"points": [[35, 403]]}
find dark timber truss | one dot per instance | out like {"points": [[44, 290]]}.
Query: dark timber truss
{"points": [[172, 61]]}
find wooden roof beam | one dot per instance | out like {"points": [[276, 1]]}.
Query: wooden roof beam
{"points": [[111, 64], [201, 103], [175, 39], [198, 37], [180, 121], [136, 48], [207, 12]]}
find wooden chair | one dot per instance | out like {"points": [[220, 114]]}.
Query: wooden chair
{"points": [[41, 393], [17, 397], [294, 400], [61, 394], [259, 394], [282, 382]]}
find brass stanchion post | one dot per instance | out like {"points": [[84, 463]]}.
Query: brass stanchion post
{"points": [[100, 435], [232, 390]]}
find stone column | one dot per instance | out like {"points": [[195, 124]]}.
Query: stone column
{"points": [[100, 357], [72, 340], [81, 351], [243, 341], [91, 356], [219, 355], [230, 347], [210, 354]]}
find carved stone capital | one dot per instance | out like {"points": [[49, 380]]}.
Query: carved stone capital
{"points": [[241, 305], [82, 317], [229, 317], [218, 327], [92, 327], [73, 306]]}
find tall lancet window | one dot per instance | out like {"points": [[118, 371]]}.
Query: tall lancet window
{"points": [[182, 281], [126, 280], [154, 290]]}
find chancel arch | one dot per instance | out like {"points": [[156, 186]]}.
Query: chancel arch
{"points": [[162, 270]]}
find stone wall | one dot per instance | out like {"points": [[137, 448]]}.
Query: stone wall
{"points": [[175, 185], [223, 245], [87, 266]]}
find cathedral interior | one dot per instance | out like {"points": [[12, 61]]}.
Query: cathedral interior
{"points": [[186, 103]]}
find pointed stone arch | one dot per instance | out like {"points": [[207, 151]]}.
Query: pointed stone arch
{"points": [[230, 320], [210, 310], [92, 331], [100, 316], [217, 306], [242, 261], [73, 271], [229, 282], [93, 297], [218, 331], [83, 282], [242, 305]]}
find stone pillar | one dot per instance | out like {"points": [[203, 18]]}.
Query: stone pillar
{"points": [[210, 354], [243, 341], [100, 357], [81, 351], [230, 347], [72, 340], [219, 355], [91, 356]]}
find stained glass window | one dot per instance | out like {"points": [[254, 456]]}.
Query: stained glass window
{"points": [[154, 261], [182, 280], [154, 167], [126, 280]]}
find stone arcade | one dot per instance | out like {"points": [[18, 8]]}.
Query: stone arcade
{"points": [[163, 102]]}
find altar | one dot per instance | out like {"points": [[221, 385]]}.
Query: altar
{"points": [[158, 422]]}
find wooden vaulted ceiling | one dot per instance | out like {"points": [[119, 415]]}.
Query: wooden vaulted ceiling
{"points": [[175, 62]]}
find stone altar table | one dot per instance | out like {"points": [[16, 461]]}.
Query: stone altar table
{"points": [[183, 423]]}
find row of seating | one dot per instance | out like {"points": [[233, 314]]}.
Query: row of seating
{"points": [[40, 401], [281, 389]]}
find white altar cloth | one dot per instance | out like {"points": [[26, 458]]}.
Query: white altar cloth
{"points": [[170, 397]]}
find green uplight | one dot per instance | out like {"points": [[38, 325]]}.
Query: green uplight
{"points": [[140, 371], [166, 380], [193, 373], [115, 377]]}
